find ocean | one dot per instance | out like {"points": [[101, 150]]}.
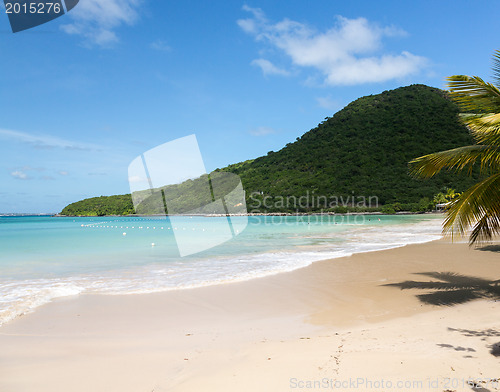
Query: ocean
{"points": [[43, 258]]}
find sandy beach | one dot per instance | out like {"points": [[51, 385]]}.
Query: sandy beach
{"points": [[420, 317]]}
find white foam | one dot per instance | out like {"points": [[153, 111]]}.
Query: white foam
{"points": [[21, 297]]}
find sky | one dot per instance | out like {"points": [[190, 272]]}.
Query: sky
{"points": [[85, 94]]}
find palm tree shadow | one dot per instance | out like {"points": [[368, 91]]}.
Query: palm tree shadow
{"points": [[490, 248], [451, 288]]}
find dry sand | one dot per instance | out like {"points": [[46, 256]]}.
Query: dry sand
{"points": [[341, 324]]}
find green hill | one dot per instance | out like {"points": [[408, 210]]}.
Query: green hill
{"points": [[100, 206], [363, 150]]}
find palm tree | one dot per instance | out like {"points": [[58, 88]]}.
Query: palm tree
{"points": [[445, 198], [478, 208], [451, 194]]}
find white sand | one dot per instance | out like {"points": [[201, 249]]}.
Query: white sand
{"points": [[333, 325]]}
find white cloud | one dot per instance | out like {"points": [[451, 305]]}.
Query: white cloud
{"points": [[97, 20], [262, 131], [44, 141], [160, 45], [269, 68], [19, 175], [348, 53], [251, 25]]}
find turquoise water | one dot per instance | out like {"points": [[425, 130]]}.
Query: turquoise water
{"points": [[44, 258]]}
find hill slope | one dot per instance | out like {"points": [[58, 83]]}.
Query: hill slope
{"points": [[365, 149], [362, 150]]}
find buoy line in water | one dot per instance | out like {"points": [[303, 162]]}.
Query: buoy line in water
{"points": [[111, 225]]}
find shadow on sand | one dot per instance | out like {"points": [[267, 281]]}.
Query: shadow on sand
{"points": [[448, 288], [490, 248], [485, 333]]}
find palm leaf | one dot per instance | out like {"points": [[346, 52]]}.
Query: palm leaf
{"points": [[485, 128], [486, 228], [476, 208], [457, 159], [473, 94]]}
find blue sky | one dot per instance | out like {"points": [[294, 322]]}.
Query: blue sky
{"points": [[85, 94]]}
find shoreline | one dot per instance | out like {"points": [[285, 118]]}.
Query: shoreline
{"points": [[250, 214], [264, 332], [74, 284]]}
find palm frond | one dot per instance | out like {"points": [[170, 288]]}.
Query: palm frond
{"points": [[473, 94], [476, 208], [457, 159], [485, 128], [485, 229]]}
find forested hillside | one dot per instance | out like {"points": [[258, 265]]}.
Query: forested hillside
{"points": [[363, 150]]}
